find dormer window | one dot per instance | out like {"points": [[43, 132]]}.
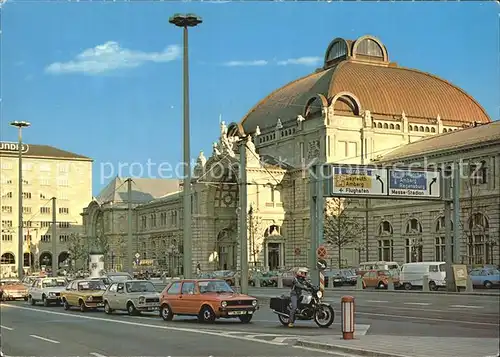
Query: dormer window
{"points": [[336, 51], [369, 47]]}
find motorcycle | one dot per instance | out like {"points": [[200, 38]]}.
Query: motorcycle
{"points": [[309, 307]]}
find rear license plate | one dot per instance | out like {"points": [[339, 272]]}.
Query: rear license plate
{"points": [[237, 313], [100, 304]]}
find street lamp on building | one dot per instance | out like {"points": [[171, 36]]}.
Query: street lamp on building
{"points": [[185, 21], [20, 251]]}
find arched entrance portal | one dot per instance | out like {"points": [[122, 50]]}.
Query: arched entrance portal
{"points": [[46, 259], [274, 246], [63, 259], [226, 249], [29, 259], [7, 259]]}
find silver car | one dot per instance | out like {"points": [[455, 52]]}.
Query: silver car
{"points": [[133, 296]]}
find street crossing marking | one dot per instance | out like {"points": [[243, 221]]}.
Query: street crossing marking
{"points": [[378, 301], [361, 329], [417, 303], [467, 306], [7, 328], [44, 339]]}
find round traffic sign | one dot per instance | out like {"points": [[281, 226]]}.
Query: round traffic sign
{"points": [[321, 252]]}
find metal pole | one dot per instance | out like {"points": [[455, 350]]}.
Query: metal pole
{"points": [[313, 215], [129, 265], [243, 217], [55, 258], [450, 283], [188, 247], [456, 213], [367, 203], [20, 235]]}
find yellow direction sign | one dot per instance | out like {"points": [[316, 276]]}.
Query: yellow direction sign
{"points": [[359, 180]]}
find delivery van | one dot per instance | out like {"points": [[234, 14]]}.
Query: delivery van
{"points": [[412, 274]]}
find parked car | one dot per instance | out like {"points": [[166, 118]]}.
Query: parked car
{"points": [[86, 294], [208, 299], [13, 290], [349, 276], [228, 276], [333, 276], [378, 265], [29, 280], [133, 296], [46, 290], [412, 274], [487, 278], [378, 279]]}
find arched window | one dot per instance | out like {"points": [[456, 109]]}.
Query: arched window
{"points": [[272, 230], [398, 127], [413, 226], [369, 47], [338, 50], [410, 127], [391, 126], [385, 228], [8, 258], [445, 130], [386, 126], [480, 245], [440, 240], [421, 128], [433, 130], [427, 130], [313, 108], [379, 125]]}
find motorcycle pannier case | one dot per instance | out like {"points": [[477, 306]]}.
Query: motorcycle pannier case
{"points": [[279, 303]]}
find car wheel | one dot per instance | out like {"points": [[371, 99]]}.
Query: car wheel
{"points": [[245, 318], [131, 309], [31, 301], [432, 286], [25, 298], [83, 308], [45, 301], [407, 286], [166, 313], [381, 285], [488, 284], [107, 309], [206, 315], [66, 305]]}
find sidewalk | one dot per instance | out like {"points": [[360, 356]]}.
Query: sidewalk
{"points": [[405, 346]]}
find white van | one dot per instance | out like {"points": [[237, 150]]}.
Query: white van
{"points": [[412, 274]]}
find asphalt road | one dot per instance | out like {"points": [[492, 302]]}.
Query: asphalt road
{"points": [[39, 331], [28, 330]]}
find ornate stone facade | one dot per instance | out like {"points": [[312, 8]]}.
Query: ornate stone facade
{"points": [[308, 122]]}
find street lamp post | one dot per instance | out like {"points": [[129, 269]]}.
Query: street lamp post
{"points": [[185, 21], [20, 252]]}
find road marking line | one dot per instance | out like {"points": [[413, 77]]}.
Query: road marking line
{"points": [[95, 354], [281, 339], [426, 319], [7, 328], [44, 339], [360, 329], [321, 351], [195, 331], [417, 303], [378, 301], [467, 306]]}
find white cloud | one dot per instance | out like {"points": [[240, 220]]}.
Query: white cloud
{"points": [[246, 63], [304, 61], [109, 57]]}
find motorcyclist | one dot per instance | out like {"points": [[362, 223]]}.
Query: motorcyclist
{"points": [[300, 283]]}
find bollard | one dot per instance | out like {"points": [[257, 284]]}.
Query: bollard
{"points": [[390, 283], [347, 311], [425, 283], [469, 287], [322, 282], [359, 283], [280, 281], [257, 281]]}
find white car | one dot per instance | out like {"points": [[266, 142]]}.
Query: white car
{"points": [[133, 296], [46, 291]]}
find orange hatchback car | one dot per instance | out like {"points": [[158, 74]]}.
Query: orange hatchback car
{"points": [[208, 299]]}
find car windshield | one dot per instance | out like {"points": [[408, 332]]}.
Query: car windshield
{"points": [[217, 286], [119, 278], [91, 285], [493, 272], [140, 287], [52, 283]]}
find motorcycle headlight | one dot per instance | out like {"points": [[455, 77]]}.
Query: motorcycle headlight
{"points": [[90, 298], [142, 300], [254, 303], [223, 304], [319, 294]]}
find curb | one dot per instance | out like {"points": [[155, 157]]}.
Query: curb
{"points": [[345, 349], [455, 293]]}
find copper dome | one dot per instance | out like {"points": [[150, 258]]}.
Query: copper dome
{"points": [[360, 75]]}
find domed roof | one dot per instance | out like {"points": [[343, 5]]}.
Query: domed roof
{"points": [[358, 76]]}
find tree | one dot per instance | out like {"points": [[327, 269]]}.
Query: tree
{"points": [[77, 248], [341, 226], [255, 234]]}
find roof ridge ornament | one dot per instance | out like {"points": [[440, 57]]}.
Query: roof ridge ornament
{"points": [[257, 131], [279, 126]]}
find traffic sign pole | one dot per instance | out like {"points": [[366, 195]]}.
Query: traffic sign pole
{"points": [[313, 225]]}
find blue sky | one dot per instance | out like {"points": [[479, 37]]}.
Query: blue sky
{"points": [[115, 113]]}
